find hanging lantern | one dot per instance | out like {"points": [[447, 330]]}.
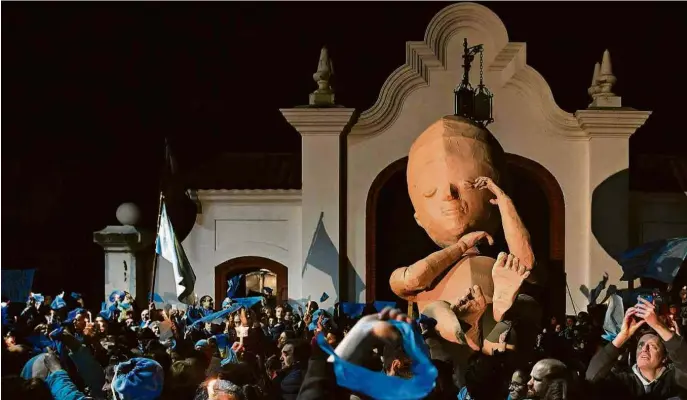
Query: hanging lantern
{"points": [[474, 104]]}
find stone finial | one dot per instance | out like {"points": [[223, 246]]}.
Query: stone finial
{"points": [[324, 95], [594, 88], [128, 214], [602, 85]]}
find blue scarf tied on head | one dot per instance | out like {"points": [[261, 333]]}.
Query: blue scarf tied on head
{"points": [[380, 386]]}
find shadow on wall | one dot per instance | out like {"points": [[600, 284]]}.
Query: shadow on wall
{"points": [[610, 216], [323, 256]]}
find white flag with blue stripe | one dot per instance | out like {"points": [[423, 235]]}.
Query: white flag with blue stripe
{"points": [[169, 248]]}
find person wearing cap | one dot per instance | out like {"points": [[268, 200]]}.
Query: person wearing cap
{"points": [[138, 379]]}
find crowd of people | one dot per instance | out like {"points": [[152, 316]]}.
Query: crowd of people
{"points": [[258, 348]]}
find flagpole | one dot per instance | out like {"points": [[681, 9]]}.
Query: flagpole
{"points": [[155, 255]]}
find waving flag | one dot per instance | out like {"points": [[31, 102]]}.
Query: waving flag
{"points": [[169, 248]]}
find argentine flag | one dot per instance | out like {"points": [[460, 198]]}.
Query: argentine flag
{"points": [[168, 247]]}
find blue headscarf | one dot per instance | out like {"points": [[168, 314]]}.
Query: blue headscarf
{"points": [[380, 386], [119, 293], [138, 379], [315, 317]]}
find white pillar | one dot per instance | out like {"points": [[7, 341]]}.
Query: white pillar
{"points": [[321, 130], [121, 245], [607, 193]]}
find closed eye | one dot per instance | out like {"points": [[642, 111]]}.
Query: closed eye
{"points": [[430, 192]]}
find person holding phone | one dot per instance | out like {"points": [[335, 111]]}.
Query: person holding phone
{"points": [[661, 368]]}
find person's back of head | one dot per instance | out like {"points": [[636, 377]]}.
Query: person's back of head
{"points": [[183, 379], [19, 388]]}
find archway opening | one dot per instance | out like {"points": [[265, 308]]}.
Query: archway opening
{"points": [[259, 272], [394, 239]]}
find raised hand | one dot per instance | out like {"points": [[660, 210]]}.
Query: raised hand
{"points": [[629, 327], [52, 361], [470, 240], [484, 182], [647, 311]]}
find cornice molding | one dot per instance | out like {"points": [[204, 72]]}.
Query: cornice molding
{"points": [[330, 121], [250, 196], [611, 122]]}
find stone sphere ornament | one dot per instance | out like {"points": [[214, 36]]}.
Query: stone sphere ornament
{"points": [[128, 214]]}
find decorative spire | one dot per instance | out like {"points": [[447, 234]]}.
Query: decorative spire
{"points": [[324, 95], [602, 85]]}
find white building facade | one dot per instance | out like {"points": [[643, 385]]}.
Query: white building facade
{"points": [[347, 156]]}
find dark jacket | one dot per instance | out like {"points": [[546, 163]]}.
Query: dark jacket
{"points": [[606, 384], [289, 381]]}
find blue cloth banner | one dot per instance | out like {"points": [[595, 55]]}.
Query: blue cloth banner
{"points": [[658, 260], [16, 284], [169, 248], [324, 297], [379, 386], [76, 296], [380, 305], [352, 310], [217, 317], [38, 297], [233, 285], [247, 302]]}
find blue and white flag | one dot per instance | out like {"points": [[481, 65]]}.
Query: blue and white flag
{"points": [[169, 248]]}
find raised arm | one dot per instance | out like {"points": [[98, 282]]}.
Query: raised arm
{"points": [[517, 236], [406, 282]]}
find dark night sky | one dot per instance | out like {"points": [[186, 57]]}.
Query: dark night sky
{"points": [[91, 90]]}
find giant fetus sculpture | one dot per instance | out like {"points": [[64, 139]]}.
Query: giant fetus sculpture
{"points": [[454, 168]]}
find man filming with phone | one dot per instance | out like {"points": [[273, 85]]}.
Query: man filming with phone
{"points": [[660, 371]]}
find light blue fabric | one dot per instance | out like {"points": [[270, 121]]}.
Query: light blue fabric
{"points": [[315, 317], [217, 317], [115, 294], [62, 388], [658, 260], [380, 305], [352, 310], [247, 302], [615, 314], [58, 303], [324, 297], [233, 285], [380, 386], [38, 297], [138, 379]]}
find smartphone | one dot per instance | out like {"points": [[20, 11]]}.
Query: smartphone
{"points": [[647, 297]]}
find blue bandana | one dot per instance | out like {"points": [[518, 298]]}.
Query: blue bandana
{"points": [[119, 293], [138, 379], [352, 310], [315, 317], [380, 386], [226, 302], [380, 305], [38, 297], [231, 358], [72, 315], [58, 303]]}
